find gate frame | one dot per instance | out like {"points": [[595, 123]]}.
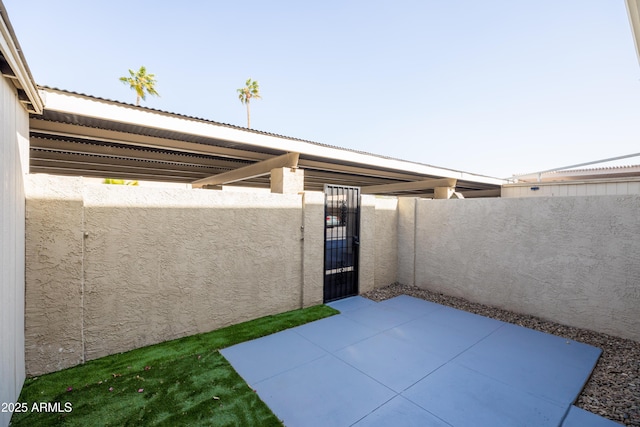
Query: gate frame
{"points": [[341, 284]]}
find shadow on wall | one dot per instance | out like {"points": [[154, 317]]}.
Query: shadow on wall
{"points": [[107, 277]]}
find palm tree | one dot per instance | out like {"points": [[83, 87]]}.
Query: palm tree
{"points": [[142, 83], [251, 90], [119, 181]]}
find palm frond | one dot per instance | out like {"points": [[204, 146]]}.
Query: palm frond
{"points": [[141, 82]]}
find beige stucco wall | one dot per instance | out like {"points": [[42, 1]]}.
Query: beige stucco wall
{"points": [[406, 240], [386, 241], [14, 164], [54, 275], [313, 244], [378, 242], [573, 260], [111, 268], [367, 248]]}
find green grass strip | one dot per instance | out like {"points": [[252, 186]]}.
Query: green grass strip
{"points": [[181, 382]]}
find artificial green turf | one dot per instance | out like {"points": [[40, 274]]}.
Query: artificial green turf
{"points": [[181, 382]]}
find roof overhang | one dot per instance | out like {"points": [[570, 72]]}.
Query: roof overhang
{"points": [[633, 10], [13, 66], [83, 135]]}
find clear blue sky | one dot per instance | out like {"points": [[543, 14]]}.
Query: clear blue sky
{"points": [[491, 87]]}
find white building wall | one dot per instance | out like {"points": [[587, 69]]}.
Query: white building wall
{"points": [[596, 187], [14, 151]]}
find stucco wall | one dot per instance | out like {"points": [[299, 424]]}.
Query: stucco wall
{"points": [[112, 268], [14, 163], [386, 241], [313, 248], [378, 242], [54, 276], [573, 260], [406, 240], [367, 248]]}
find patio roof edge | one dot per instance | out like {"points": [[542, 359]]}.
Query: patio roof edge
{"points": [[87, 106]]}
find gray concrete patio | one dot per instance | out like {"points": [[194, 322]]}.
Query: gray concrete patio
{"points": [[410, 362]]}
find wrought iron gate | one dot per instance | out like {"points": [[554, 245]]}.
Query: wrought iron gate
{"points": [[341, 241]]}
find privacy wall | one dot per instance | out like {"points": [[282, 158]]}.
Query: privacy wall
{"points": [[14, 164], [111, 268], [573, 260]]}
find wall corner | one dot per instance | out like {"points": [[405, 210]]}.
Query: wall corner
{"points": [[312, 248], [406, 239], [367, 251]]}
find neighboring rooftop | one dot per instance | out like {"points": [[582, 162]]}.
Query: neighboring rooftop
{"points": [[611, 169]]}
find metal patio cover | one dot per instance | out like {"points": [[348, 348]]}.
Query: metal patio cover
{"points": [[82, 135]]}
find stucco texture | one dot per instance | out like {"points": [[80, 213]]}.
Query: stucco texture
{"points": [[378, 242], [133, 266], [53, 308], [367, 247], [313, 244], [386, 241], [573, 260], [406, 240], [111, 268]]}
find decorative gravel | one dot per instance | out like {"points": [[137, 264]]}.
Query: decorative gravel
{"points": [[613, 390]]}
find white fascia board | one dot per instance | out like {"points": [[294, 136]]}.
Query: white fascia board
{"points": [[109, 110], [11, 52], [633, 9]]}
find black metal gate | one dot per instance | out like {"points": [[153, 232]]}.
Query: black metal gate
{"points": [[341, 241]]}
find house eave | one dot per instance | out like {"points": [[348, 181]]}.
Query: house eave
{"points": [[633, 10], [14, 67]]}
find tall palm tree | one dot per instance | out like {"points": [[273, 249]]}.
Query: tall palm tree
{"points": [[251, 90], [142, 83]]}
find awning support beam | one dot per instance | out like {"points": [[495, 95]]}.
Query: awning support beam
{"points": [[289, 160], [428, 184]]}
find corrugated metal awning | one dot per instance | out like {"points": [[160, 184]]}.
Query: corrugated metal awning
{"points": [[87, 136]]}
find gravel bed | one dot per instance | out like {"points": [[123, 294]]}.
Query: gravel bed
{"points": [[613, 390]]}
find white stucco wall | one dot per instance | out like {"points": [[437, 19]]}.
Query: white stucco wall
{"points": [[14, 164], [111, 268], [573, 260]]}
